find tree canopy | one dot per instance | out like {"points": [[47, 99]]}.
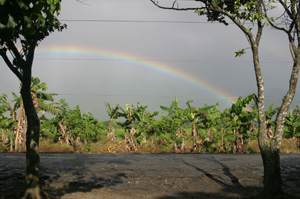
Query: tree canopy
{"points": [[25, 23]]}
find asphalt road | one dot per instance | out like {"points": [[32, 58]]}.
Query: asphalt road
{"points": [[159, 176]]}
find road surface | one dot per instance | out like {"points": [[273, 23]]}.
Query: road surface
{"points": [[155, 176]]}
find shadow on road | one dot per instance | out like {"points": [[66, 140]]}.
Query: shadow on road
{"points": [[229, 191], [224, 194], [78, 184], [226, 171], [56, 190], [60, 178]]}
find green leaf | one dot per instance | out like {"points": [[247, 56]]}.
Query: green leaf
{"points": [[2, 2], [240, 53]]}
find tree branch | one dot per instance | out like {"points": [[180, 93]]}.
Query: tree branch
{"points": [[10, 65], [289, 31], [260, 25], [18, 58], [173, 8]]}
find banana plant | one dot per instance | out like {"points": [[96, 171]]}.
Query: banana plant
{"points": [[113, 114], [39, 97], [194, 115], [240, 121], [92, 127], [146, 121], [177, 117], [21, 124], [210, 120], [126, 113], [270, 113], [6, 124], [171, 125], [191, 114], [292, 121], [130, 115], [55, 128], [139, 122]]}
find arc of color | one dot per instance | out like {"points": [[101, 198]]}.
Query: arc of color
{"points": [[91, 53]]}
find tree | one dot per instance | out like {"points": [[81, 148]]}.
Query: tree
{"points": [[256, 13], [23, 24]]}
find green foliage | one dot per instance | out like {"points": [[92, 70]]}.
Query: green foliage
{"points": [[3, 104], [270, 113], [85, 126], [138, 118], [30, 21], [173, 123], [218, 130], [240, 53], [5, 122], [112, 112], [292, 121], [40, 97], [241, 10]]}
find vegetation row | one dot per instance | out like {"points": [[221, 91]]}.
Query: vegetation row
{"points": [[135, 129]]}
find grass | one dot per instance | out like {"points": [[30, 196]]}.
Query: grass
{"points": [[287, 146], [48, 146], [290, 146]]}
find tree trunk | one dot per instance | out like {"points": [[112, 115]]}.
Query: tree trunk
{"points": [[24, 130], [32, 189], [12, 132], [20, 118], [272, 174], [111, 131], [195, 134], [4, 136], [270, 157]]}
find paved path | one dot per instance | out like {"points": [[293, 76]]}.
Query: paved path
{"points": [[159, 176]]}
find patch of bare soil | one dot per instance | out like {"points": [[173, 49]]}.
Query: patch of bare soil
{"points": [[145, 176]]}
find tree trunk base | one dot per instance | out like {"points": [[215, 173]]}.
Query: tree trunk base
{"points": [[32, 193], [283, 195]]}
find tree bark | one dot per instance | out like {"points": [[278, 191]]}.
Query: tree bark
{"points": [[271, 157], [272, 174], [32, 189]]}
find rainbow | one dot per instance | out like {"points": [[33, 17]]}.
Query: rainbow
{"points": [[73, 52]]}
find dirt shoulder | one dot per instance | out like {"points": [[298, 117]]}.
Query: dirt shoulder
{"points": [[155, 176]]}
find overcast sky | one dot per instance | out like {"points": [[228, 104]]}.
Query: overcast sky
{"points": [[125, 51]]}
